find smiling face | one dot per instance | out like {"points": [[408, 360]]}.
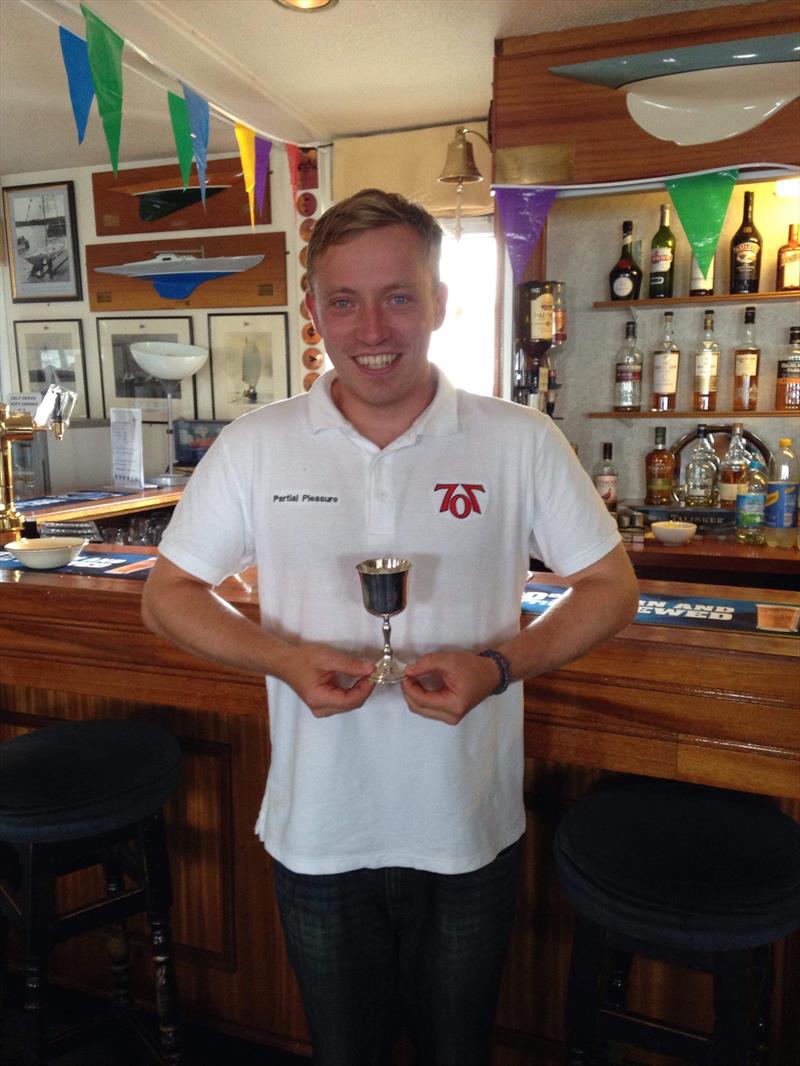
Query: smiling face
{"points": [[375, 302]]}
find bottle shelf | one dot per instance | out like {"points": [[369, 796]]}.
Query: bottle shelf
{"points": [[688, 301], [707, 416]]}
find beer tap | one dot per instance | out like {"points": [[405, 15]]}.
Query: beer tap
{"points": [[52, 414]]}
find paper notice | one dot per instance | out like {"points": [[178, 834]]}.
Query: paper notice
{"points": [[127, 455]]}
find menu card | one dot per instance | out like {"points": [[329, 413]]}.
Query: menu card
{"points": [[127, 455]]}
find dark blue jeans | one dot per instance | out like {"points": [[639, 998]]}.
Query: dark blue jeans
{"points": [[376, 951]]}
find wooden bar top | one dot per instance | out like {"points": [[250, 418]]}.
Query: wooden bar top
{"points": [[109, 507], [706, 705], [716, 553]]}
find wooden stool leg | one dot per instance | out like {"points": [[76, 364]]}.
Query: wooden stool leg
{"points": [[617, 985], [762, 1024], [160, 899], [588, 941], [3, 975], [731, 1038], [37, 907], [117, 940]]}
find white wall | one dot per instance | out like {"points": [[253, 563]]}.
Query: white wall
{"points": [[584, 237], [83, 459]]}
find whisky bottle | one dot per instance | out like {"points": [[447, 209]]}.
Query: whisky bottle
{"points": [[701, 473], [746, 357], [787, 384], [534, 335], [659, 465], [625, 279], [666, 358], [605, 478], [733, 468], [706, 368], [628, 373], [787, 275], [662, 258], [746, 248]]}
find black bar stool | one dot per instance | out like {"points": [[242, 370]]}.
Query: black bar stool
{"points": [[73, 796], [701, 878]]}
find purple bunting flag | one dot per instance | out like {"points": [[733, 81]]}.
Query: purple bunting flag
{"points": [[522, 214], [79, 78], [263, 149]]}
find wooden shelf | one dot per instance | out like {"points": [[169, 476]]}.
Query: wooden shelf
{"points": [[688, 301], [708, 416]]}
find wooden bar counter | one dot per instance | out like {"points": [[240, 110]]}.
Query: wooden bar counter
{"points": [[708, 706]]}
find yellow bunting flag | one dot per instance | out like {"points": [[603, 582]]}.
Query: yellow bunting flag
{"points": [[246, 140]]}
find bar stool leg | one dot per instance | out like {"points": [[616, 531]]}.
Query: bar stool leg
{"points": [[160, 899], [117, 939], [38, 905], [617, 985], [3, 975], [588, 941], [731, 1037], [762, 1024]]}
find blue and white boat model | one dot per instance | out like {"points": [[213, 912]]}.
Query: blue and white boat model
{"points": [[176, 275]]}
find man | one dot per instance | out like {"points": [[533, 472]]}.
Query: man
{"points": [[396, 838]]}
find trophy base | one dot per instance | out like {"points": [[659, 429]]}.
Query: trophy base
{"points": [[388, 671]]}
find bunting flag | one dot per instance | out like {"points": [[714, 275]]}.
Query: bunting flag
{"points": [[702, 203], [179, 116], [263, 149], [293, 157], [105, 62], [197, 111], [79, 78], [522, 214], [247, 151]]}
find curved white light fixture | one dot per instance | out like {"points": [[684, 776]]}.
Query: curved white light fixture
{"points": [[698, 106]]}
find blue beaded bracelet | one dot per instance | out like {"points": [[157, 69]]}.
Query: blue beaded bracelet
{"points": [[503, 666]]}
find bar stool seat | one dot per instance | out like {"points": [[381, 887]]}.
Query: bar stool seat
{"points": [[699, 877], [73, 796]]}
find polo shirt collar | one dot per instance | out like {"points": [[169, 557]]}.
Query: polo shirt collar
{"points": [[439, 419]]}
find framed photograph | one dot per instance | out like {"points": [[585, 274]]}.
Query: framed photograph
{"points": [[249, 361], [125, 384], [42, 242], [50, 352]]}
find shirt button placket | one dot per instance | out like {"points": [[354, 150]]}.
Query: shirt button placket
{"points": [[381, 495]]}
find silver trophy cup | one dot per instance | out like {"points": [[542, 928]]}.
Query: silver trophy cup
{"points": [[384, 587]]}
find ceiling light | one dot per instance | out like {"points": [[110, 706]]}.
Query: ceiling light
{"points": [[306, 5]]}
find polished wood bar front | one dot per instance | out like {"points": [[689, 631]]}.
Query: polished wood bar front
{"points": [[714, 707]]}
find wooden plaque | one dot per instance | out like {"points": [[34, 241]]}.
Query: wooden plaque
{"points": [[119, 206], [263, 285]]}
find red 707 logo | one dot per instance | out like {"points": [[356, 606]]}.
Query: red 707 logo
{"points": [[460, 504]]}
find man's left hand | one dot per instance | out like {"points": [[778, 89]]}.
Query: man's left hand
{"points": [[447, 685]]}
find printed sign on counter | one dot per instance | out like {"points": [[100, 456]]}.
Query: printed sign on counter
{"points": [[127, 455]]}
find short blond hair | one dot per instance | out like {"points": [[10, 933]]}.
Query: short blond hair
{"points": [[373, 209]]}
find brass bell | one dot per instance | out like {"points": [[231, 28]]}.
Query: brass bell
{"points": [[459, 167]]}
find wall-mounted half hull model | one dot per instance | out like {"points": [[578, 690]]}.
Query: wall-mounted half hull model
{"points": [[175, 276]]}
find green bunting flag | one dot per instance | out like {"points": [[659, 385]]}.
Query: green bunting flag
{"points": [[179, 115], [702, 202], [105, 62]]}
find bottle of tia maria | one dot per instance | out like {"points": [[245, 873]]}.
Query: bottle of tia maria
{"points": [[746, 248], [706, 368], [659, 465], [746, 357], [787, 276], [666, 358], [606, 479], [662, 258], [628, 373], [625, 280]]}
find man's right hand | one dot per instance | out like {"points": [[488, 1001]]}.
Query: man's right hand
{"points": [[327, 680]]}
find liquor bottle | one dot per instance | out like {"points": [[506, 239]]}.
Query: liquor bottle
{"points": [[559, 314], [701, 284], [662, 257], [534, 335], [605, 478], [659, 465], [628, 373], [787, 384], [780, 513], [750, 504], [746, 248], [701, 473], [733, 468], [625, 280], [787, 275], [666, 358], [746, 356], [706, 368]]}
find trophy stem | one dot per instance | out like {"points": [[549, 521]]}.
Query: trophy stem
{"points": [[388, 670], [387, 637]]}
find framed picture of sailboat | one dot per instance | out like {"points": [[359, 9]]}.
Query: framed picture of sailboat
{"points": [[249, 361], [42, 242]]}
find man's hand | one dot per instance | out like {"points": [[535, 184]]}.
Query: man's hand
{"points": [[327, 680], [447, 685]]}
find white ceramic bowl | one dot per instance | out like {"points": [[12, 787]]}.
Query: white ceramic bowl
{"points": [[674, 532], [45, 553]]}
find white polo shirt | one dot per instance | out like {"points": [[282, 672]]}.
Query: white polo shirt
{"points": [[472, 490]]}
